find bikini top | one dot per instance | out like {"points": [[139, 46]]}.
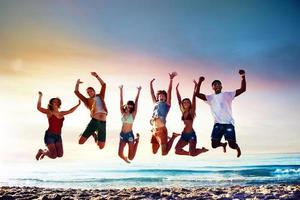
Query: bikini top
{"points": [[127, 119]]}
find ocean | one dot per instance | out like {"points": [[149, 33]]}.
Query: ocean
{"points": [[250, 170]]}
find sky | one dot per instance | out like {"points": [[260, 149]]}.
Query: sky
{"points": [[47, 45]]}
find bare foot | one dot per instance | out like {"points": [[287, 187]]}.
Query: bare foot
{"points": [[238, 152], [175, 134], [39, 154], [126, 159], [137, 138], [203, 149], [224, 147]]}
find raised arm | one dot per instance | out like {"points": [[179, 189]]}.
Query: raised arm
{"points": [[194, 97], [178, 95], [121, 98], [172, 75], [39, 103], [103, 84], [243, 83], [71, 110], [78, 94], [152, 91], [136, 102], [198, 94]]}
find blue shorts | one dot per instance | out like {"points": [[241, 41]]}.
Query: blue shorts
{"points": [[188, 137], [127, 137], [223, 129], [51, 138]]}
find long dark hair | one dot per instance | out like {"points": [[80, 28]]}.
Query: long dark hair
{"points": [[50, 104], [131, 103]]}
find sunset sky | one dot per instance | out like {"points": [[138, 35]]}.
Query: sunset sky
{"points": [[47, 45]]}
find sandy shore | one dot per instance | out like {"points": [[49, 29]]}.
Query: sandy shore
{"points": [[234, 192]]}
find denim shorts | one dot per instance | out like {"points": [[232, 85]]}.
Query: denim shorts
{"points": [[223, 129], [188, 137], [127, 137], [52, 138], [96, 126]]}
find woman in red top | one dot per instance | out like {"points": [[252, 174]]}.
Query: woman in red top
{"points": [[52, 137]]}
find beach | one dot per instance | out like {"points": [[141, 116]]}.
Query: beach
{"points": [[232, 192]]}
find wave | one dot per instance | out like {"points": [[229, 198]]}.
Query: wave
{"points": [[93, 180], [202, 176]]}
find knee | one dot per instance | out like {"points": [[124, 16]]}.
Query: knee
{"points": [[53, 155], [177, 150], [60, 154], [164, 151], [81, 141], [130, 157], [101, 145]]}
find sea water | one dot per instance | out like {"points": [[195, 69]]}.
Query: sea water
{"points": [[251, 170]]}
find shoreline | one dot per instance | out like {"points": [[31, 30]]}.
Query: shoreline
{"points": [[282, 191]]}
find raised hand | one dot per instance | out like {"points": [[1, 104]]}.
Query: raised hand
{"points": [[152, 80], [79, 82], [139, 88], [172, 75], [121, 87], [201, 78], [40, 93], [242, 72], [94, 74], [195, 82]]}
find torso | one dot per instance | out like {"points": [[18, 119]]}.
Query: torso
{"points": [[127, 122], [160, 113], [55, 123], [97, 110], [187, 119]]}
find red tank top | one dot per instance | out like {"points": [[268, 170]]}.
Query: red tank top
{"points": [[55, 124]]}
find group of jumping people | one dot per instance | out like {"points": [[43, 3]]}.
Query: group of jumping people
{"points": [[219, 102]]}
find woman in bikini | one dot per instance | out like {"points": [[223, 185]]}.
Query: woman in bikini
{"points": [[188, 135], [128, 112], [52, 137], [162, 104]]}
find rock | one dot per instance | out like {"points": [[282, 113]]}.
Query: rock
{"points": [[7, 197]]}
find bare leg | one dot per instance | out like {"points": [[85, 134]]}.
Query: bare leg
{"points": [[234, 145], [82, 140], [170, 142], [133, 147], [216, 144], [51, 152], [121, 151], [155, 144], [59, 149], [179, 148]]}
